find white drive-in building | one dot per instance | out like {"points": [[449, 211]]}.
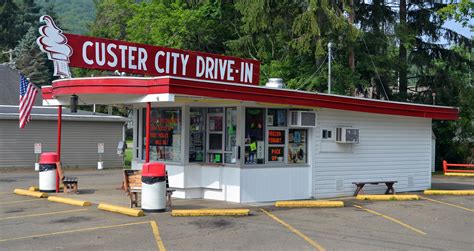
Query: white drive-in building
{"points": [[246, 143]]}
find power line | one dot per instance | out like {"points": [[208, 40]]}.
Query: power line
{"points": [[375, 68]]}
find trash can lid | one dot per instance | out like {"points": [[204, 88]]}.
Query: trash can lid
{"points": [[154, 169], [48, 158]]}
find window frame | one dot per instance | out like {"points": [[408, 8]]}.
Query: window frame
{"points": [[143, 133], [208, 138], [327, 129]]}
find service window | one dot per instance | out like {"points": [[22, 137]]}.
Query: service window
{"points": [[197, 132], [222, 135], [254, 136], [215, 131], [230, 155], [165, 134], [297, 146]]}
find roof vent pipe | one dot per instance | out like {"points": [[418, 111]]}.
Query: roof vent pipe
{"points": [[275, 83]]}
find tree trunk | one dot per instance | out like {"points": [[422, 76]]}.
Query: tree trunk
{"points": [[402, 53], [351, 47]]}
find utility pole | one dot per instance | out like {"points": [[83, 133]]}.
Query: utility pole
{"points": [[329, 67]]}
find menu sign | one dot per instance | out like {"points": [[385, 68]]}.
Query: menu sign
{"points": [[161, 132], [276, 137], [276, 153]]}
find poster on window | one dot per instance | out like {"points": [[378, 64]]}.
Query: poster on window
{"points": [[297, 146]]}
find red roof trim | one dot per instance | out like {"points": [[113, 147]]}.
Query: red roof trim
{"points": [[143, 86]]}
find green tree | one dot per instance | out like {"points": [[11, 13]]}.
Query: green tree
{"points": [[31, 61], [9, 26], [202, 27], [461, 11], [111, 18]]}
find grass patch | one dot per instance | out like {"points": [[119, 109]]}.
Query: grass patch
{"points": [[128, 158]]}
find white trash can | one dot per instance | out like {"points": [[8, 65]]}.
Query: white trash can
{"points": [[154, 187], [47, 172]]}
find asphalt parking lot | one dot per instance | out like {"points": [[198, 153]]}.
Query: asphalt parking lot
{"points": [[437, 222]]}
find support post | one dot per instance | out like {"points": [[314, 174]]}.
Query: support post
{"points": [[147, 143], [58, 149]]}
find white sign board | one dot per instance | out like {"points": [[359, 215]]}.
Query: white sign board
{"points": [[260, 150], [100, 147], [37, 148]]}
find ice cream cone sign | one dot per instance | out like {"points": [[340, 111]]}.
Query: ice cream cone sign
{"points": [[53, 42]]}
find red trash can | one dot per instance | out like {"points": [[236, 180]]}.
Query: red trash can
{"points": [[47, 172], [154, 187]]}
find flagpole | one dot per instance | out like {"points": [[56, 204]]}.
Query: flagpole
{"points": [[58, 150]]}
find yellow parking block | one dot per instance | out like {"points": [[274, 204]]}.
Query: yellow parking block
{"points": [[121, 210], [388, 197], [309, 203], [30, 193], [211, 212], [33, 188], [69, 201], [460, 174], [449, 192]]}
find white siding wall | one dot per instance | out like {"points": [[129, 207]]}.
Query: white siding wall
{"points": [[390, 148], [207, 182], [270, 184]]}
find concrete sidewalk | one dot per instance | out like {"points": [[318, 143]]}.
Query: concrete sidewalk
{"points": [[103, 186]]}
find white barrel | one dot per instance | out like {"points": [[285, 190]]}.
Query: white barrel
{"points": [[37, 166], [154, 197], [100, 165], [47, 181]]}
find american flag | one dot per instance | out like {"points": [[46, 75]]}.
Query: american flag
{"points": [[28, 94]]}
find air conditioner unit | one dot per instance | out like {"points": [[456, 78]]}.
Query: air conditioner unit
{"points": [[302, 119], [347, 135]]}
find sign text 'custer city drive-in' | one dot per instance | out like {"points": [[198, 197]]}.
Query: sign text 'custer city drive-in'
{"points": [[106, 54]]}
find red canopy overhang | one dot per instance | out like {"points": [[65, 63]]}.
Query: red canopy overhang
{"points": [[210, 89]]}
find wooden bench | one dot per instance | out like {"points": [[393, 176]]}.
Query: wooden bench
{"points": [[132, 180], [361, 185], [69, 183]]}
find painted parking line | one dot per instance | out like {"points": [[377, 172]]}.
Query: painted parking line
{"points": [[447, 204], [18, 201], [391, 219], [295, 231], [154, 227], [156, 233], [41, 214]]}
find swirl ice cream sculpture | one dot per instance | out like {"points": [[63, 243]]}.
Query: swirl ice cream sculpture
{"points": [[54, 44]]}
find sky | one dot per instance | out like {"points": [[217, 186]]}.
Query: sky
{"points": [[465, 31]]}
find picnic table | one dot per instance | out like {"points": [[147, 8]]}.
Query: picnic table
{"points": [[389, 184]]}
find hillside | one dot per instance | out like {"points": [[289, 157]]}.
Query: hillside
{"points": [[74, 15]]}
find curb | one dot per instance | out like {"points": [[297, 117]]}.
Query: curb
{"points": [[449, 192], [388, 197], [310, 203], [30, 193], [460, 174], [211, 212], [69, 201], [121, 210], [33, 189]]}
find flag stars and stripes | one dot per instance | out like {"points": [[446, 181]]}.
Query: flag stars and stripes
{"points": [[28, 93]]}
